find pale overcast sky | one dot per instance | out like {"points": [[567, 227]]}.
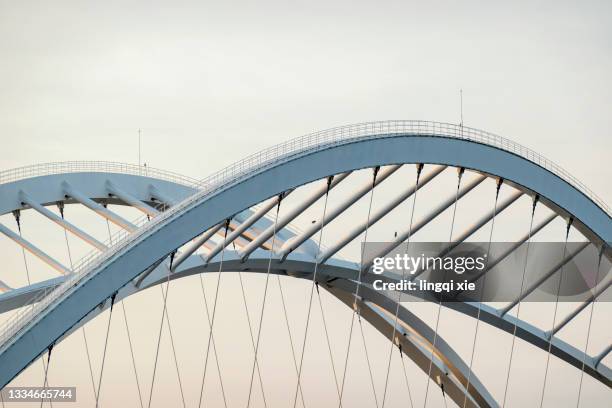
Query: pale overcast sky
{"points": [[77, 79]]}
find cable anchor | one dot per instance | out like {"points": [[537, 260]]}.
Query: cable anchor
{"points": [[17, 215]]}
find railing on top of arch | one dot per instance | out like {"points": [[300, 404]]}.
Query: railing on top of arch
{"points": [[45, 169], [264, 159]]}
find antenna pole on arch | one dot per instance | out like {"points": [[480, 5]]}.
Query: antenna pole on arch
{"points": [[139, 140], [461, 106]]}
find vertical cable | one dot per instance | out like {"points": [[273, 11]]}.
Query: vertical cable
{"points": [[246, 309], [212, 321], [586, 345], [365, 348], [161, 326], [395, 320], [212, 338], [176, 366], [280, 288], [518, 310], [110, 316], [17, 215], [554, 320], [356, 294], [263, 301], [331, 356], [401, 353], [482, 286], [312, 288], [49, 350], [433, 346], [127, 329], [60, 206]]}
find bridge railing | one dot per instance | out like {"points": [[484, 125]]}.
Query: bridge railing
{"points": [[45, 169], [270, 157], [396, 128]]}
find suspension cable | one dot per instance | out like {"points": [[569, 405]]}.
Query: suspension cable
{"points": [[212, 322], [263, 301], [127, 329], [60, 206], [365, 348], [110, 316], [399, 347], [312, 288], [397, 308], [331, 357], [433, 346], [482, 289], [356, 294], [176, 366], [586, 345], [295, 365], [49, 350], [518, 310], [161, 326], [212, 338], [554, 320], [17, 215], [246, 310]]}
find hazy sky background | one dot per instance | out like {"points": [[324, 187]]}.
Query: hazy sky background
{"points": [[211, 82], [79, 78]]}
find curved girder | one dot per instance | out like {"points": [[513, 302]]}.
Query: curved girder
{"points": [[338, 273], [145, 247], [49, 189], [414, 335]]}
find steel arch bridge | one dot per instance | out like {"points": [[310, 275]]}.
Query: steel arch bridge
{"points": [[181, 234]]}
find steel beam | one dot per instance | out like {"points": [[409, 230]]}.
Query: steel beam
{"points": [[378, 215], [290, 216], [514, 247], [27, 245], [298, 240], [426, 220], [544, 278], [25, 199], [479, 224], [598, 291], [485, 219], [130, 199], [92, 205], [252, 219], [195, 244]]}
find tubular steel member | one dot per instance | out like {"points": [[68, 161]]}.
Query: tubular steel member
{"points": [[34, 250], [61, 222], [544, 277], [282, 223], [378, 215], [252, 219], [426, 220], [130, 199], [296, 241], [92, 205]]}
